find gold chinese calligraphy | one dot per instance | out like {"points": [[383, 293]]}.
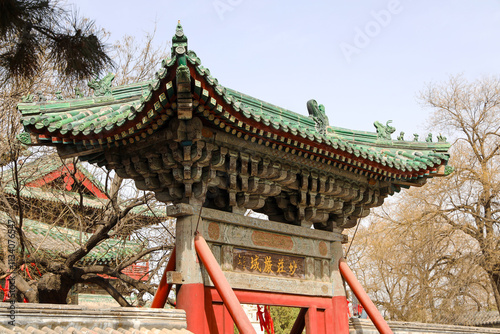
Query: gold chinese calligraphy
{"points": [[272, 264]]}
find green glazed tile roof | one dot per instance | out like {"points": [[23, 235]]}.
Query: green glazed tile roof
{"points": [[131, 113], [54, 240]]}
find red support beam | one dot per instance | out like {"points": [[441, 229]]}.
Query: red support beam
{"points": [[163, 290], [363, 298], [312, 320], [325, 323], [226, 292], [278, 299]]}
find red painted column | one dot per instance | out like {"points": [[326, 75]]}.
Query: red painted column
{"points": [[213, 313], [321, 321], [228, 322], [340, 315], [312, 321], [340, 323], [222, 286], [363, 298], [163, 290], [329, 321], [191, 298]]}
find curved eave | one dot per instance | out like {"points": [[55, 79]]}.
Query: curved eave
{"points": [[120, 121]]}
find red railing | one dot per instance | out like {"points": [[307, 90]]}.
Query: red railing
{"points": [[135, 271], [138, 271]]}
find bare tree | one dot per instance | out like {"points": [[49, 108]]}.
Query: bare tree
{"points": [[435, 251], [469, 201], [417, 269]]}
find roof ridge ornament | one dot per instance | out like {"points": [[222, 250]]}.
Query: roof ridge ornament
{"points": [[441, 138], [102, 87], [318, 114], [27, 98], [384, 131], [184, 97]]}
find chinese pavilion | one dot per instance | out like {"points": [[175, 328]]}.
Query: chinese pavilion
{"points": [[214, 153]]}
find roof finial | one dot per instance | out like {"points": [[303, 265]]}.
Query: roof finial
{"points": [[179, 41]]}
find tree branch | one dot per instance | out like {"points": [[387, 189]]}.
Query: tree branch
{"points": [[139, 256]]}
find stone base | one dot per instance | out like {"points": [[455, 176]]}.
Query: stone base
{"points": [[78, 317]]}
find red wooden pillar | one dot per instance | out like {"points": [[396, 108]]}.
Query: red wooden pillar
{"points": [[312, 320], [329, 324], [228, 322], [218, 316], [214, 314], [191, 298], [321, 321], [340, 315]]}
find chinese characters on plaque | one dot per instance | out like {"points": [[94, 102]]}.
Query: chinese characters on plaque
{"points": [[268, 263]]}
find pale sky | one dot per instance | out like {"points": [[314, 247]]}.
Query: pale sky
{"points": [[363, 60]]}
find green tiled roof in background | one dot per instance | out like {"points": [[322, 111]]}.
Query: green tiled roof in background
{"points": [[54, 240]]}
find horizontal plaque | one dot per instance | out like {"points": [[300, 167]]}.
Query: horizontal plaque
{"points": [[264, 263]]}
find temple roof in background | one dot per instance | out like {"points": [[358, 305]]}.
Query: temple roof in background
{"points": [[49, 178]]}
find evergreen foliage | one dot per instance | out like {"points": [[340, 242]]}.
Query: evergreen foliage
{"points": [[36, 31], [283, 318]]}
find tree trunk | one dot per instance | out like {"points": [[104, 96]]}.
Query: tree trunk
{"points": [[495, 284], [54, 288], [27, 289]]}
